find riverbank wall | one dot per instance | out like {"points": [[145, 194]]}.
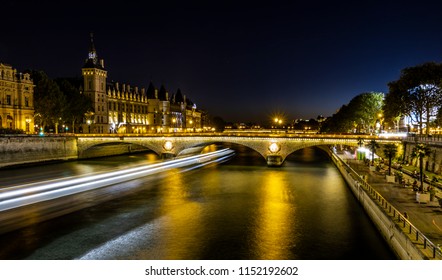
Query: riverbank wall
{"points": [[27, 149], [387, 223], [17, 150]]}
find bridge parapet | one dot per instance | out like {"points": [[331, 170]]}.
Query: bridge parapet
{"points": [[434, 140], [273, 149]]}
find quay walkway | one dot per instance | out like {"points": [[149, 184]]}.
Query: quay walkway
{"points": [[426, 217]]}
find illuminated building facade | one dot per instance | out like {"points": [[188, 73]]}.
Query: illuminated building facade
{"points": [[121, 108], [16, 99]]}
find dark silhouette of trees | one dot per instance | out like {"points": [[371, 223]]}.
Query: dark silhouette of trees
{"points": [[359, 115], [416, 94], [58, 101], [390, 151], [49, 101], [372, 146], [420, 151], [77, 104]]}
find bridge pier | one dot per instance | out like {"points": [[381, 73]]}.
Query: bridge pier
{"points": [[274, 160], [167, 155]]}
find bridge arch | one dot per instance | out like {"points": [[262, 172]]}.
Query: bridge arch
{"points": [[274, 149]]}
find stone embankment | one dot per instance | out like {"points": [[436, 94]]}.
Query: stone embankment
{"points": [[26, 149], [414, 235]]}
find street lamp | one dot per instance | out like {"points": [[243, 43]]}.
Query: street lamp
{"points": [[89, 125], [191, 125], [28, 120], [379, 123], [278, 122]]}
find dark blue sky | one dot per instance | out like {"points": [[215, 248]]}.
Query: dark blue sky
{"points": [[240, 60]]}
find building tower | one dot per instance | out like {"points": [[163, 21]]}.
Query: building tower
{"points": [[94, 86]]}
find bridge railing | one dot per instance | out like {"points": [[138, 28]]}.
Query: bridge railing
{"points": [[426, 139], [286, 135], [247, 134], [428, 248]]}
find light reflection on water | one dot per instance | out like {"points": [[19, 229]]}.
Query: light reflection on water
{"points": [[238, 210], [276, 218], [183, 227]]}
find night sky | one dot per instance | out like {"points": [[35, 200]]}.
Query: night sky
{"points": [[240, 60]]}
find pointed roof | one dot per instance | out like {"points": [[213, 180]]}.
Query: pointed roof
{"points": [[162, 94], [150, 91], [189, 103], [92, 60], [179, 98]]}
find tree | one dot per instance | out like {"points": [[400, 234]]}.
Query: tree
{"points": [[390, 151], [372, 146], [395, 105], [360, 142], [420, 151], [365, 110], [49, 101], [77, 104], [218, 124], [416, 94], [338, 122], [359, 115]]}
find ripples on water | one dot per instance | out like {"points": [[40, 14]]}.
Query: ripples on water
{"points": [[238, 210]]}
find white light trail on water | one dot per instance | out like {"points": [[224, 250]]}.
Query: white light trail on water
{"points": [[22, 195]]}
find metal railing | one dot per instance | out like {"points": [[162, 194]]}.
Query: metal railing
{"points": [[431, 140], [427, 247]]}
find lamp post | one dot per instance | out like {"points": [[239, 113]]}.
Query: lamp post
{"points": [[278, 122], [379, 123], [89, 125], [191, 125], [28, 121], [174, 124]]}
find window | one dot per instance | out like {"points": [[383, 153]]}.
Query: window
{"points": [[9, 121], [26, 101], [8, 100]]}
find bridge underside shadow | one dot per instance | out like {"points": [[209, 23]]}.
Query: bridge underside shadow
{"points": [[112, 149]]}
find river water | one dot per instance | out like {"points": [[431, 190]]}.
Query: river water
{"points": [[240, 209]]}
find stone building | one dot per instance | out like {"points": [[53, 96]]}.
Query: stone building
{"points": [[16, 99], [122, 108]]}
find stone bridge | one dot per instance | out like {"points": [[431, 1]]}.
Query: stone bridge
{"points": [[274, 148]]}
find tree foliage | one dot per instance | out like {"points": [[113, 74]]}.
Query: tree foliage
{"points": [[218, 123], [77, 104], [390, 151], [372, 146], [360, 115], [58, 101], [416, 94], [420, 151], [49, 101]]}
